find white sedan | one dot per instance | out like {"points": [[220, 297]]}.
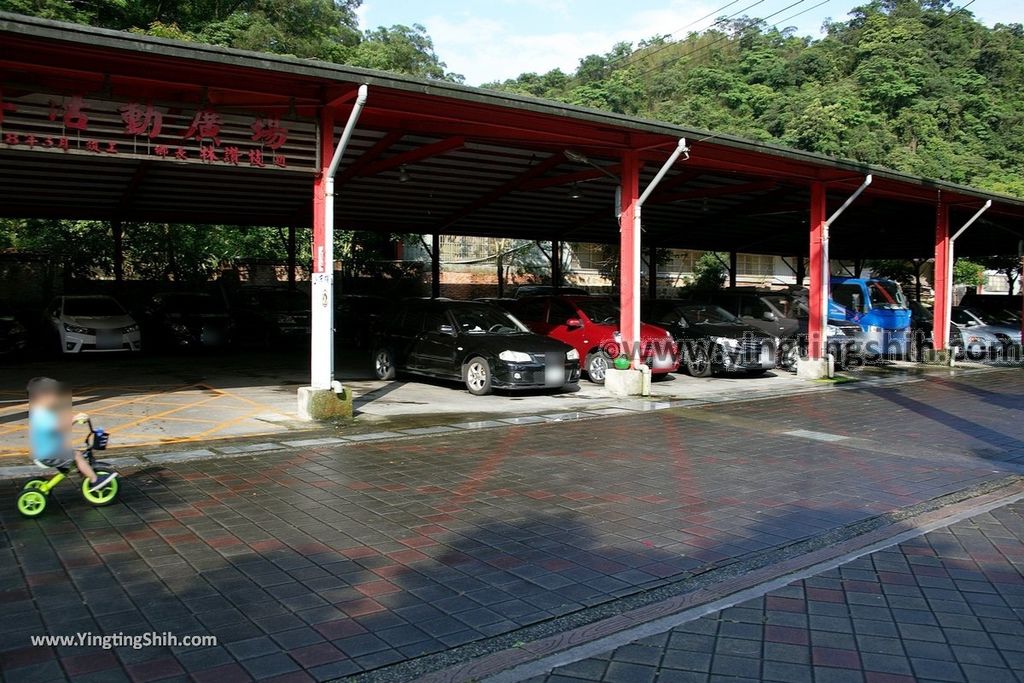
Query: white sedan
{"points": [[93, 323]]}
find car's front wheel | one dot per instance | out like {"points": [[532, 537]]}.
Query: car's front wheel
{"points": [[384, 364], [788, 357], [477, 376], [598, 363], [698, 362]]}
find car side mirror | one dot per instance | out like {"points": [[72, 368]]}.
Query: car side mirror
{"points": [[574, 323], [769, 316], [447, 329]]}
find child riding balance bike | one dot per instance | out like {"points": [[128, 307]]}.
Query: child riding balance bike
{"points": [[50, 423]]}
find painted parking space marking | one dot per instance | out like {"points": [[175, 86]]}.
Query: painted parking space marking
{"points": [[158, 414], [816, 436]]}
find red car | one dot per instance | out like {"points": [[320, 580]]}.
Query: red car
{"points": [[589, 324]]}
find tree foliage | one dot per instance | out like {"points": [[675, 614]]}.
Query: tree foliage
{"points": [[914, 85], [319, 29]]}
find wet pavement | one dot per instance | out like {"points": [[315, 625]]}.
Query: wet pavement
{"points": [[337, 559], [948, 606], [152, 403]]}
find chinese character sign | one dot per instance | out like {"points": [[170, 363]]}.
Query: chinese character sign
{"points": [[210, 134]]}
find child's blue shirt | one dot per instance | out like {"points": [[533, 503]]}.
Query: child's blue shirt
{"points": [[44, 434]]}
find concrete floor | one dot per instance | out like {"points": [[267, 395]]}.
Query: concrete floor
{"points": [[147, 401]]}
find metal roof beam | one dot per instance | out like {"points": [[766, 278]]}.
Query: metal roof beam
{"points": [[721, 191], [497, 193], [369, 156], [567, 178], [413, 155]]}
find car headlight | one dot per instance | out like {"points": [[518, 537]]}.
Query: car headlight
{"points": [[515, 357], [727, 342], [135, 328], [974, 339], [176, 327], [834, 331], [76, 329], [876, 329], [572, 354]]}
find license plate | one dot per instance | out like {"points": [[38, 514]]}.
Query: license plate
{"points": [[766, 357], [108, 340], [554, 370]]}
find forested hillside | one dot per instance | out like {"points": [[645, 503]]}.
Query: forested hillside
{"points": [[915, 85], [319, 29]]}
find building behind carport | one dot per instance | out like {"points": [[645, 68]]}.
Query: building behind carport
{"points": [[97, 124]]}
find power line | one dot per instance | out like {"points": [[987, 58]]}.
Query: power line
{"points": [[691, 24], [708, 46], [853, 74]]}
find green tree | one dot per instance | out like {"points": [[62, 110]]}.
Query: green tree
{"points": [[968, 273], [709, 271]]}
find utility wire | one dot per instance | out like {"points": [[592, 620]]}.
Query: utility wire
{"points": [[647, 53], [853, 74], [708, 46]]}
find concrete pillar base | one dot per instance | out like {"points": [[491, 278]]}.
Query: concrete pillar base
{"points": [[818, 368], [937, 357], [628, 382], [323, 405]]}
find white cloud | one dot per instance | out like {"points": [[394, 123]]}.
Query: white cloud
{"points": [[487, 50]]}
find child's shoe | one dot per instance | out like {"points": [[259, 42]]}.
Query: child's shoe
{"points": [[102, 481]]}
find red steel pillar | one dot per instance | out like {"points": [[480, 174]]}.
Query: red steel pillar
{"points": [[818, 271], [629, 255], [941, 281], [322, 285]]}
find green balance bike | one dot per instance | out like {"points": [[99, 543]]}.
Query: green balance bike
{"points": [[35, 494]]}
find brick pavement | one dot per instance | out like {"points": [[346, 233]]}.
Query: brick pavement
{"points": [[336, 560], [947, 606]]}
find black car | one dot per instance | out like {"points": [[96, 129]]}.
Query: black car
{"points": [[711, 339], [548, 290], [186, 320], [13, 335], [356, 316], [477, 343], [271, 315]]}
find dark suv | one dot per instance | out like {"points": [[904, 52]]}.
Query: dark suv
{"points": [[482, 345], [710, 339]]}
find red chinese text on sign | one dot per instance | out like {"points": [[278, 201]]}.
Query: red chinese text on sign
{"points": [[205, 124], [141, 120], [270, 132]]}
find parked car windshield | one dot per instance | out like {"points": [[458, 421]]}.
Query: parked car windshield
{"points": [[849, 296], [284, 300], [191, 303], [599, 310], [483, 319], [698, 314], [92, 306], [886, 294], [785, 306]]}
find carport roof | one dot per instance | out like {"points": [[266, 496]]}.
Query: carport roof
{"points": [[432, 156]]}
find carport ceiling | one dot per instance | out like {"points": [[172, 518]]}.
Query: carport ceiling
{"points": [[435, 157]]}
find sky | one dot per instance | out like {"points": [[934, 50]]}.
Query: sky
{"points": [[488, 40]]}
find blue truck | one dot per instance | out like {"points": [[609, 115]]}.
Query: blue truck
{"points": [[879, 307]]}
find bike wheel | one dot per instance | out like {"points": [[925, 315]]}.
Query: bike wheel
{"points": [[103, 496], [31, 503]]}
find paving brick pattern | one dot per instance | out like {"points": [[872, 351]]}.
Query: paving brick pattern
{"points": [[948, 606], [328, 561]]}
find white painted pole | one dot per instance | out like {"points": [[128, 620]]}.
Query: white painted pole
{"points": [[322, 286]]}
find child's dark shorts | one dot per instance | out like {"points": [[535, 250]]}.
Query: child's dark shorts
{"points": [[59, 460]]}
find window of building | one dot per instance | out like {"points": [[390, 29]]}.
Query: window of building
{"points": [[680, 261], [589, 256], [755, 264]]}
